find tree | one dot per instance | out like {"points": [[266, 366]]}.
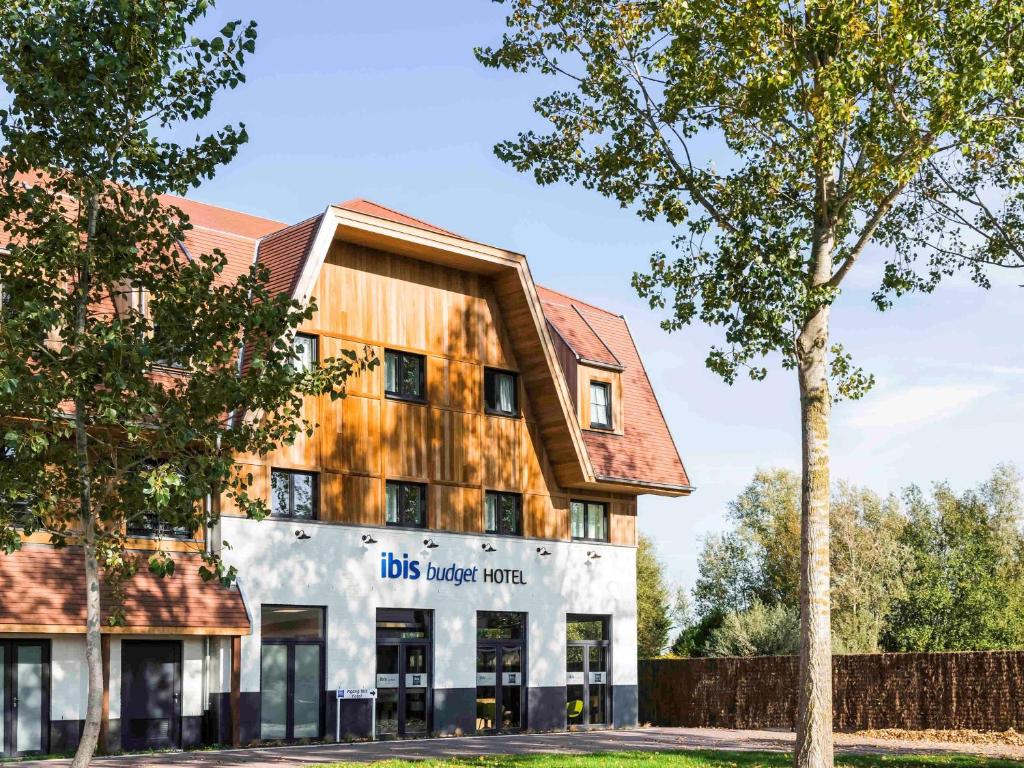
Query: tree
{"points": [[782, 139], [121, 393], [759, 561], [652, 600], [869, 561], [965, 589], [759, 630]]}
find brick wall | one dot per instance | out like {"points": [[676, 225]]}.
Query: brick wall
{"points": [[981, 691]]}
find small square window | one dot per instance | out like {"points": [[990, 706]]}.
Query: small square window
{"points": [[306, 353], [293, 494], [405, 375], [600, 405], [589, 520], [503, 513], [406, 504], [501, 394]]}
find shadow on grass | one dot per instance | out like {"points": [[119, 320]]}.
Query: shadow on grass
{"points": [[693, 759]]}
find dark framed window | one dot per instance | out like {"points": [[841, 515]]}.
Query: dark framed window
{"points": [[405, 504], [405, 375], [20, 506], [589, 520], [294, 494], [600, 405], [503, 513], [306, 350], [147, 524], [501, 392]]}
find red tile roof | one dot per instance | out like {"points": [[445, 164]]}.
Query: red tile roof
{"points": [[285, 252], [223, 219], [370, 208], [573, 327], [645, 452], [45, 587]]}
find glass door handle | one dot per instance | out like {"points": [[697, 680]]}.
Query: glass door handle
{"points": [[14, 702]]}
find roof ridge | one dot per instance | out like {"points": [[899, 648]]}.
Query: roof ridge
{"points": [[395, 211], [226, 232], [573, 300], [223, 208]]}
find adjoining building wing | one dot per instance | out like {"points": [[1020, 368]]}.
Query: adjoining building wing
{"points": [[44, 591], [642, 453]]}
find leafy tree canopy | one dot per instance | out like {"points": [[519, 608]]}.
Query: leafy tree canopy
{"points": [[965, 581], [654, 618], [943, 572], [782, 139]]}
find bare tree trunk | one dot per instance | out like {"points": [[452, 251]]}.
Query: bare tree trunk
{"points": [[814, 708], [93, 651]]}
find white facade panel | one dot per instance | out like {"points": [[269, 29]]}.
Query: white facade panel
{"points": [[335, 569], [69, 678]]}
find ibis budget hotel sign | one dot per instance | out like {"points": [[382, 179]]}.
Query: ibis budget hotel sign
{"points": [[393, 566]]}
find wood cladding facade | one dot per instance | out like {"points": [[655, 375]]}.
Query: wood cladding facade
{"points": [[460, 322]]}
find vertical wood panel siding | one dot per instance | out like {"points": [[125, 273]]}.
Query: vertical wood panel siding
{"points": [[369, 298]]}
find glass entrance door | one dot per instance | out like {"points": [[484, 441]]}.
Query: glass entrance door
{"points": [[586, 672], [291, 673], [499, 686], [500, 655], [24, 697], [403, 689], [403, 673]]}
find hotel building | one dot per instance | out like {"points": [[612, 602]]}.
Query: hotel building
{"points": [[456, 540]]}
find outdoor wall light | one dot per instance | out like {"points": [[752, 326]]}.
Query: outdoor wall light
{"points": [[487, 547], [543, 551], [430, 544], [594, 555], [368, 539], [301, 535]]}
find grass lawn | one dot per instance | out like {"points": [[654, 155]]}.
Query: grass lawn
{"points": [[692, 759]]}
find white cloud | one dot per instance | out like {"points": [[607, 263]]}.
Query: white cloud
{"points": [[914, 406]]}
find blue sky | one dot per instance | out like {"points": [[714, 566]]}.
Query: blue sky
{"points": [[384, 100]]}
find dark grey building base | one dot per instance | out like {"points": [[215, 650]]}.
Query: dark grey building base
{"points": [[546, 709], [454, 711], [218, 719], [113, 736], [249, 717], [191, 732], [355, 722], [454, 715], [64, 735], [625, 706]]}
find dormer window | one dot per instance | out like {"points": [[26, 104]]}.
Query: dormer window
{"points": [[600, 405]]}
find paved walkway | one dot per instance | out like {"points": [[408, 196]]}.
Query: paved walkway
{"points": [[641, 739]]}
